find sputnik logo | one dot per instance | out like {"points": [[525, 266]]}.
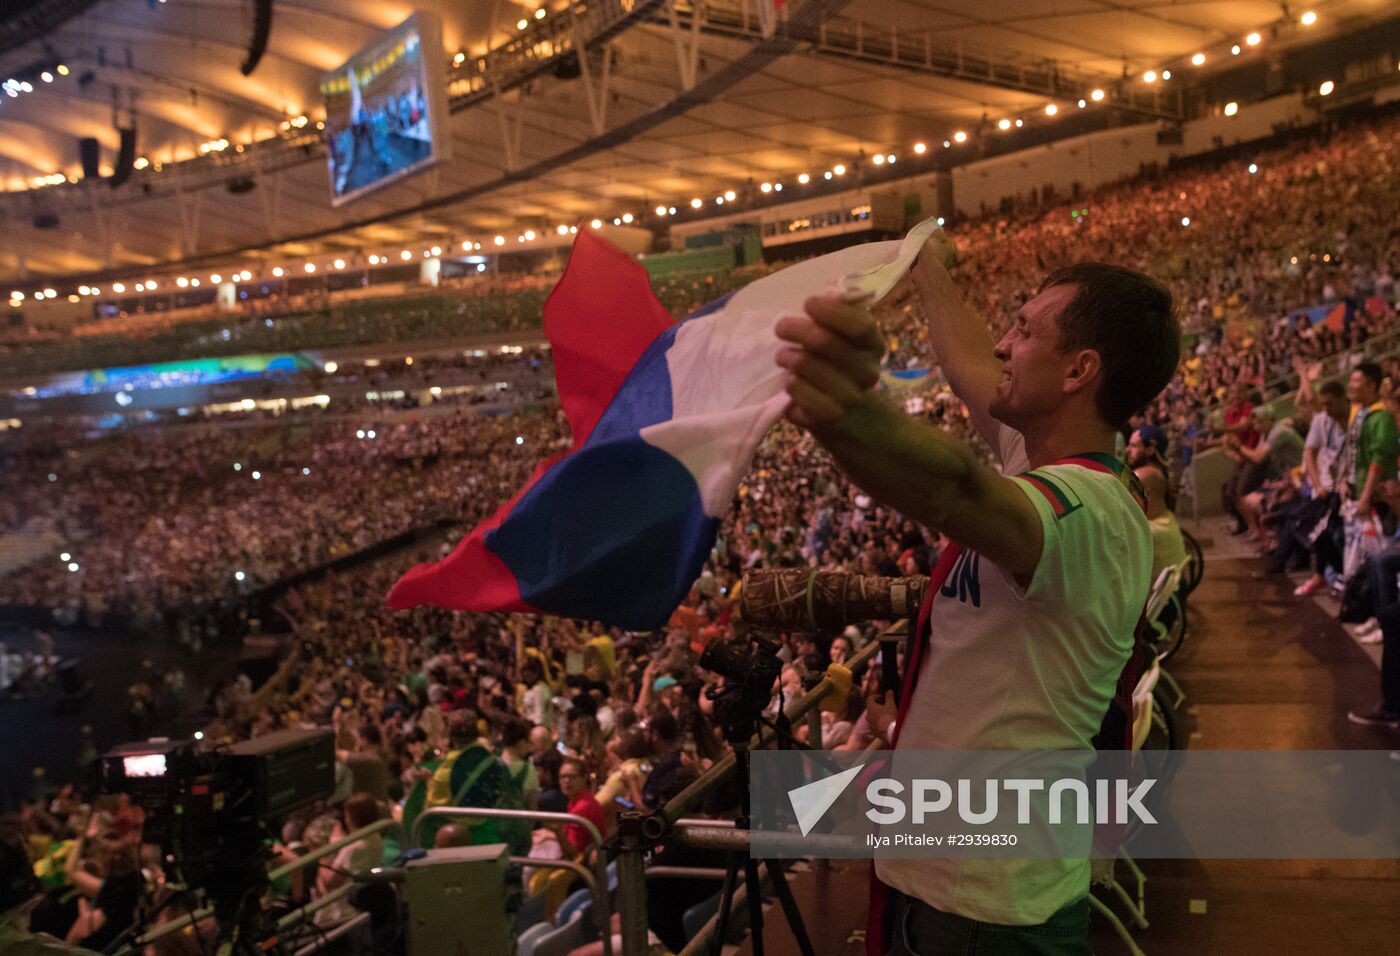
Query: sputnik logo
{"points": [[811, 800]]}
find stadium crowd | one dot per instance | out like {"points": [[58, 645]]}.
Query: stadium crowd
{"points": [[580, 717]]}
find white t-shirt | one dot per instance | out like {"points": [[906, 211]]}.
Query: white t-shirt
{"points": [[1325, 437], [1035, 668]]}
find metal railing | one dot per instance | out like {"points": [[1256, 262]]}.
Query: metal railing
{"points": [[290, 919], [637, 831], [597, 880]]}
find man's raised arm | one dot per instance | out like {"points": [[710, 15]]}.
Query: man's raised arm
{"points": [[961, 341]]}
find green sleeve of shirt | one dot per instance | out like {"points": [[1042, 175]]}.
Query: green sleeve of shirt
{"points": [[1377, 446]]}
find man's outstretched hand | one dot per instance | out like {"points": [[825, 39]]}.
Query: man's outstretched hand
{"points": [[833, 356]]}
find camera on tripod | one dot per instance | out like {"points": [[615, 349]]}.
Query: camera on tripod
{"points": [[209, 810], [749, 668]]}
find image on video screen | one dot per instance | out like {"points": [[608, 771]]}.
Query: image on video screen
{"points": [[378, 121]]}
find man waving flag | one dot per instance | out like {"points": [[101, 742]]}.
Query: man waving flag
{"points": [[665, 418]]}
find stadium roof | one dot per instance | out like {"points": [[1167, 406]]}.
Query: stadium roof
{"points": [[870, 76]]}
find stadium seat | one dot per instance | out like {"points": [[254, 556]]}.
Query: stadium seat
{"points": [[575, 902], [525, 945], [561, 939]]}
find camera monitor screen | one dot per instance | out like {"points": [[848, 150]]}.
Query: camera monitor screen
{"points": [[144, 765], [386, 109]]}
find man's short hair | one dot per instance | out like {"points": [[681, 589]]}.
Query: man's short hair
{"points": [[1332, 389], [1127, 317], [1372, 371]]}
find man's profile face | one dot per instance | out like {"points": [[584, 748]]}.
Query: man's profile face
{"points": [[1138, 452], [1359, 388], [1033, 366]]}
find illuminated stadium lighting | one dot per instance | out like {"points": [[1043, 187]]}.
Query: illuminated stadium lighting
{"points": [[118, 288], [1186, 220], [529, 235], [406, 255], [878, 159], [141, 162], [1326, 88], [1083, 104], [239, 575], [194, 283], [1004, 124], [74, 299], [661, 210], [459, 59], [920, 149], [307, 471], [374, 260], [671, 210], [521, 24], [889, 159], [216, 278], [277, 271], [65, 556], [199, 735], [539, 14], [151, 284], [766, 188], [777, 187], [46, 76], [73, 566], [839, 169], [1253, 39], [257, 475], [729, 195], [50, 293], [499, 240], [1308, 18], [827, 174], [626, 217], [696, 203], [339, 263], [61, 70], [17, 295], [1231, 108], [182, 282], [1198, 60], [617, 220], [140, 287], [331, 368], [82, 290], [960, 137], [1166, 74], [597, 224], [804, 179], [1150, 76], [1253, 168], [1235, 50], [564, 230], [310, 267], [1051, 109]]}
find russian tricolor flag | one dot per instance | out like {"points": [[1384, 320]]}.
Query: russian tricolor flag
{"points": [[665, 418]]}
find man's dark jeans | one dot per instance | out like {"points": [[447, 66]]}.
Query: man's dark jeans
{"points": [[921, 930], [1389, 618]]}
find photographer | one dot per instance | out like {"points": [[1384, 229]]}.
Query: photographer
{"points": [[1057, 558]]}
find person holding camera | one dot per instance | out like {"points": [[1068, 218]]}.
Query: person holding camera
{"points": [[1026, 649]]}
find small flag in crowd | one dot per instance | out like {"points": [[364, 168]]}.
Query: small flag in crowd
{"points": [[665, 419]]}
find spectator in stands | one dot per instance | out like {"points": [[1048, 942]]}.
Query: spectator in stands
{"points": [[1147, 456], [1278, 454], [574, 838]]}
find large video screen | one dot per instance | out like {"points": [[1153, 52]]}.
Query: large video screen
{"points": [[386, 109]]}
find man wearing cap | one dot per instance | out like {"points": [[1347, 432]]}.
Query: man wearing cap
{"points": [[1147, 456], [1277, 454]]}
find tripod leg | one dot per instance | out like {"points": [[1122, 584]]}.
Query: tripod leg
{"points": [[790, 910], [726, 903], [754, 885]]}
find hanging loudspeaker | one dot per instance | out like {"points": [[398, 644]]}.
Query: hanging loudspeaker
{"points": [[126, 155], [88, 150]]}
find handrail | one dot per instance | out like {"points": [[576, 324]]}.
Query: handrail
{"points": [[636, 829], [602, 908], [174, 926]]}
